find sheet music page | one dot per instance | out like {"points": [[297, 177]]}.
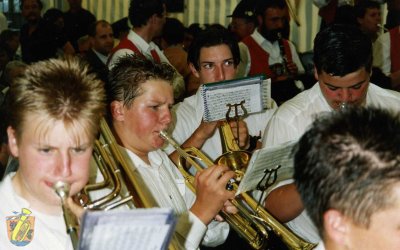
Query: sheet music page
{"points": [[268, 158], [127, 229], [216, 101]]}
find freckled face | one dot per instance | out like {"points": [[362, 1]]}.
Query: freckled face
{"points": [[351, 88], [147, 116]]}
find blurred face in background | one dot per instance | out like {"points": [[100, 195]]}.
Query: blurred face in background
{"points": [[103, 42], [272, 22], [369, 23], [31, 10]]}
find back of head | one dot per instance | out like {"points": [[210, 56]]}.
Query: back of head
{"points": [[57, 90], [342, 49], [173, 31], [120, 27], [209, 38], [349, 161], [51, 15], [141, 10], [345, 14], [129, 72]]}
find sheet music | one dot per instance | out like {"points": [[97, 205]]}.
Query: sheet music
{"points": [[149, 229], [268, 158], [254, 91]]}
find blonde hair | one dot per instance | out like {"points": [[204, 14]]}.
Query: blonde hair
{"points": [[57, 90]]}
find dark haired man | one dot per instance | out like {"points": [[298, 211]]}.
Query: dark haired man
{"points": [[368, 15], [343, 59], [40, 40], [269, 53], [147, 18], [213, 57], [102, 42], [346, 170]]}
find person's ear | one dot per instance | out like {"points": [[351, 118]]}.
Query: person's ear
{"points": [[315, 73], [335, 226], [194, 70], [117, 110], [12, 141]]}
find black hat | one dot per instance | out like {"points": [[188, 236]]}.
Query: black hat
{"points": [[245, 9]]}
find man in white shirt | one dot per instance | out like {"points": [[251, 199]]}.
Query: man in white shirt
{"points": [[387, 55], [147, 18], [269, 53], [346, 169], [140, 98], [343, 59], [213, 57], [101, 38]]}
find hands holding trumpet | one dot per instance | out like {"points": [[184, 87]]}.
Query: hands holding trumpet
{"points": [[211, 193]]}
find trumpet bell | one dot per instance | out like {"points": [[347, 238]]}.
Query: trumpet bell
{"points": [[236, 161]]}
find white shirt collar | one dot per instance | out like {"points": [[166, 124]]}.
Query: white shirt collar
{"points": [[139, 41], [102, 57]]}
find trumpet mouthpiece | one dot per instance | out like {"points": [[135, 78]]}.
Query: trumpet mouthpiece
{"points": [[62, 189], [163, 134]]}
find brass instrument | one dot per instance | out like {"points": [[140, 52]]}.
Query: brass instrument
{"points": [[118, 176], [233, 156], [252, 222], [62, 190], [285, 71], [252, 231]]}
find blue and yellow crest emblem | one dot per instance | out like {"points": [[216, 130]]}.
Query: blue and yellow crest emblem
{"points": [[21, 227]]}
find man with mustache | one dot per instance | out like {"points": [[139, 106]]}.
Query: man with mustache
{"points": [[268, 53]]}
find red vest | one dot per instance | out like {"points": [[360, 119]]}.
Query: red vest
{"points": [[395, 49], [260, 58], [124, 44], [128, 44]]}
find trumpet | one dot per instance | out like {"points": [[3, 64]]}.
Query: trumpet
{"points": [[252, 222], [62, 190]]}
